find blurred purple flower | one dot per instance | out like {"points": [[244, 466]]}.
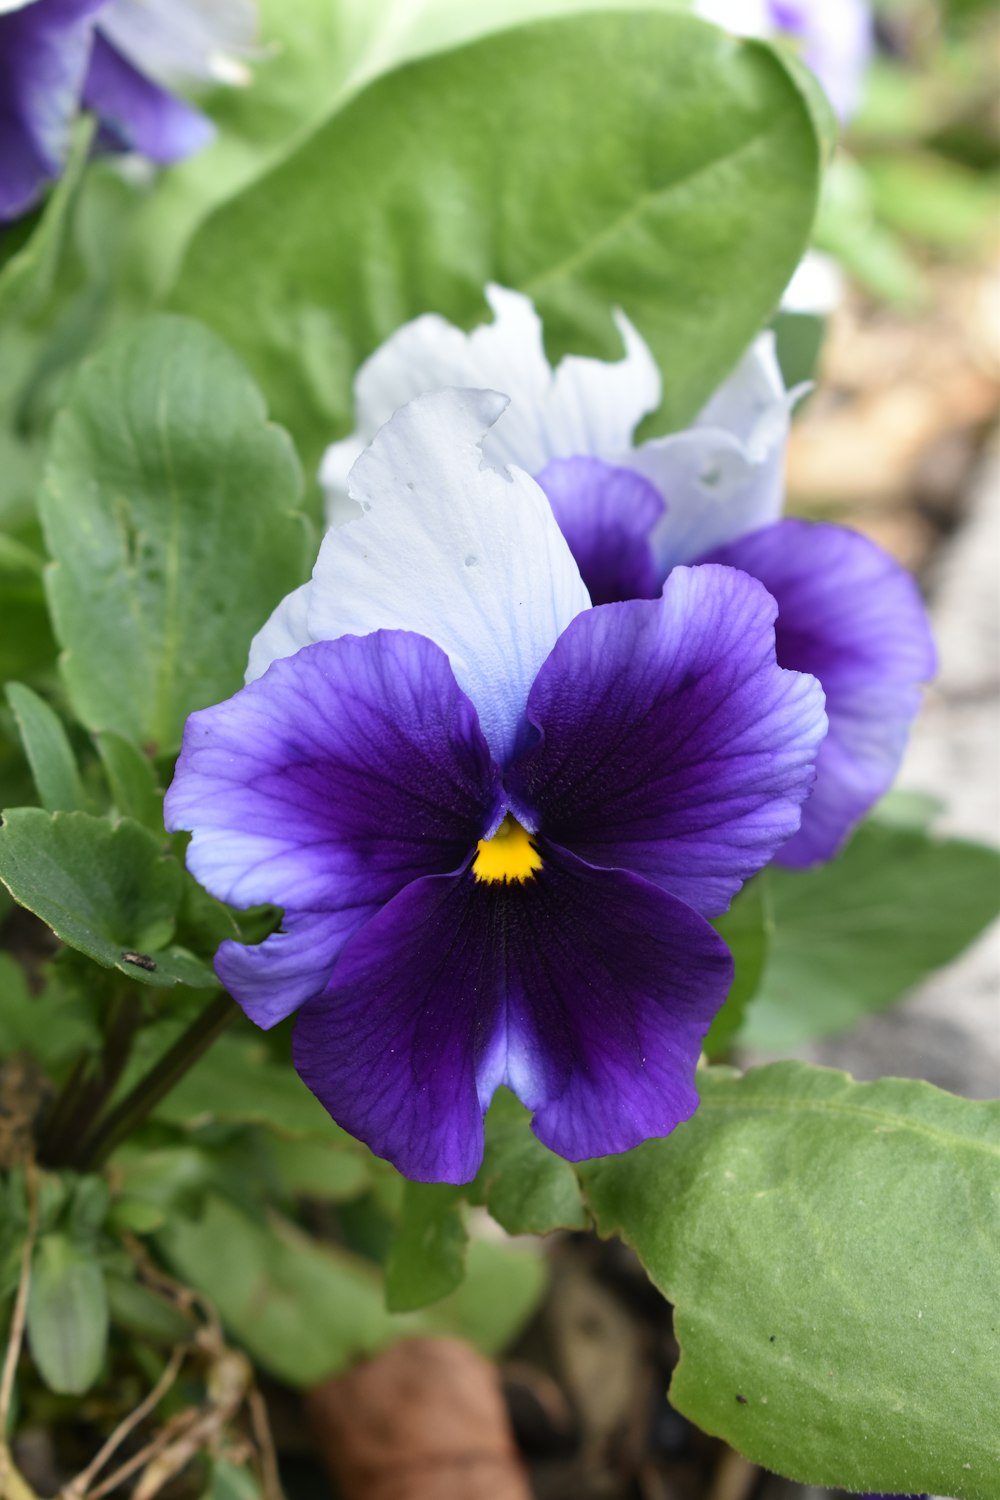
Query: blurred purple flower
{"points": [[115, 58], [496, 818], [848, 614], [836, 37]]}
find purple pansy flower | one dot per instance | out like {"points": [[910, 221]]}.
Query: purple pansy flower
{"points": [[836, 37], [496, 817], [117, 58], [848, 613]]}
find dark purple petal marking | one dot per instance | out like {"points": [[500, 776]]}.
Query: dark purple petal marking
{"points": [[606, 515], [136, 114], [326, 786], [44, 52], [587, 991], [851, 616], [671, 742]]}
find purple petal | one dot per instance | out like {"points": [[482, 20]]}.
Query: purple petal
{"points": [[137, 114], [587, 991], [44, 51], [606, 515], [851, 616], [672, 744], [324, 787]]}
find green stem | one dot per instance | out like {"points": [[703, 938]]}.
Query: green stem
{"points": [[140, 1101], [86, 1091]]}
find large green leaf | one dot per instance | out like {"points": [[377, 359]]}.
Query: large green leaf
{"points": [[831, 1250], [168, 510], [110, 890], [853, 936], [637, 159]]}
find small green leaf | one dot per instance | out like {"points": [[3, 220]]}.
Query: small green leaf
{"points": [[168, 508], [135, 791], [646, 192], [527, 1189], [830, 1249], [67, 1315], [27, 278], [141, 1311], [109, 890], [855, 935], [747, 928], [49, 753], [426, 1258], [51, 1027], [239, 1082]]}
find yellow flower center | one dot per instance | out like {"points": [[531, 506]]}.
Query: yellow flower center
{"points": [[508, 855]]}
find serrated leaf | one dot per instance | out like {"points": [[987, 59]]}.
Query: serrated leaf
{"points": [[853, 936], [426, 1257], [830, 1248], [589, 161], [67, 1315], [168, 508], [110, 890], [48, 750], [525, 1186]]}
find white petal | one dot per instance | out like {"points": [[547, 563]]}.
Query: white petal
{"points": [[723, 476], [177, 42], [286, 632], [744, 17], [816, 288], [587, 406], [455, 550]]}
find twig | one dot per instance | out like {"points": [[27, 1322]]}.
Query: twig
{"points": [[17, 1324], [177, 1424], [79, 1486], [270, 1477]]}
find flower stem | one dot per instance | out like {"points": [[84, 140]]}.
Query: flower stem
{"points": [[86, 1090], [140, 1101]]}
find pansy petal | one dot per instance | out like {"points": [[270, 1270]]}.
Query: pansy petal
{"points": [[182, 41], [610, 987], [137, 114], [606, 515], [724, 475], [671, 743], [854, 618], [585, 406], [588, 991], [391, 1049], [44, 53], [347, 771], [454, 550]]}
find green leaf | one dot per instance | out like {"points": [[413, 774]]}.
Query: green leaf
{"points": [[52, 1027], [141, 1311], [747, 928], [49, 753], [527, 1189], [135, 791], [502, 1289], [855, 935], [168, 510], [238, 1081], [426, 1258], [27, 278], [67, 1315], [304, 1312], [109, 890], [830, 1248], [502, 161]]}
